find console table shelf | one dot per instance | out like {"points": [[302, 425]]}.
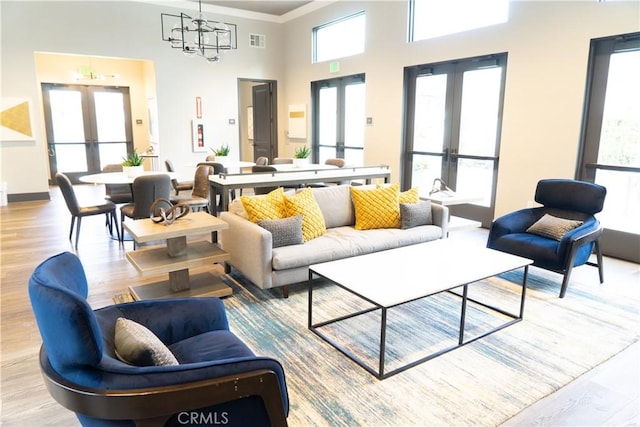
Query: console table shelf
{"points": [[155, 260], [177, 257]]}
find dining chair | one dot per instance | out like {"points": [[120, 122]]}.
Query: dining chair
{"points": [[199, 198], [340, 163], [146, 190], [117, 193], [282, 160], [78, 211], [259, 169], [262, 161], [177, 186]]}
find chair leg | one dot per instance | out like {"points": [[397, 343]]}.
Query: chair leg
{"points": [[565, 280], [114, 220], [73, 221], [599, 257], [78, 230]]}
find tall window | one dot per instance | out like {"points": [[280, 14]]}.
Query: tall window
{"points": [[452, 129], [610, 153], [434, 18], [339, 119], [337, 39]]}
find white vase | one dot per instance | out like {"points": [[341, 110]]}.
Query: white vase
{"points": [[300, 162], [133, 171]]}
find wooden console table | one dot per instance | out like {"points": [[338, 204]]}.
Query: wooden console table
{"points": [[177, 257]]}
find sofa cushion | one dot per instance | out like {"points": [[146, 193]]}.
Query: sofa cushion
{"points": [[376, 208], [137, 345], [284, 231], [343, 242], [269, 207], [303, 203], [553, 227], [414, 214], [336, 205]]}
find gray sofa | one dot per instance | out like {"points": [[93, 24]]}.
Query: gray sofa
{"points": [[251, 252]]}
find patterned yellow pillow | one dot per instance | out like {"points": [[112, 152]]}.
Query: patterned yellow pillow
{"points": [[376, 208], [270, 206], [303, 203], [409, 196]]}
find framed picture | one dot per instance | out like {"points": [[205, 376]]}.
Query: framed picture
{"points": [[15, 120], [197, 136]]}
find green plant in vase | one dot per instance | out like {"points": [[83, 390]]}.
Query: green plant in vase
{"points": [[132, 164], [132, 159], [302, 153], [223, 150]]}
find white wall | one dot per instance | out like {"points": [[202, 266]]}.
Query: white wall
{"points": [[547, 43], [127, 30]]}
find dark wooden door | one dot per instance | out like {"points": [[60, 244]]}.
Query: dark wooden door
{"points": [[264, 133]]}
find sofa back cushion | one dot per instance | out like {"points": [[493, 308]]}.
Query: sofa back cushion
{"points": [[336, 205]]}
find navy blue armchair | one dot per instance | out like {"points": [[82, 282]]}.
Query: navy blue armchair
{"points": [[218, 380], [564, 199]]}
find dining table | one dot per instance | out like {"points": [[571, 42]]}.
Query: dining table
{"points": [[119, 177], [221, 184]]}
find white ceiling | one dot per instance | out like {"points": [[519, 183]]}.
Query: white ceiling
{"points": [[277, 8]]}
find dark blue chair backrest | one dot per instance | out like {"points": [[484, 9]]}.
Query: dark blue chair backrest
{"points": [[571, 195], [70, 333]]}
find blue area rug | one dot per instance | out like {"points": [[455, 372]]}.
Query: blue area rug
{"points": [[483, 383]]}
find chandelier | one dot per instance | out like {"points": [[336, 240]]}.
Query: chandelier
{"points": [[198, 36]]}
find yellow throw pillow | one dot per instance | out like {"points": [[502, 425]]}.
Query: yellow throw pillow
{"points": [[303, 203], [270, 206], [409, 196], [376, 208]]}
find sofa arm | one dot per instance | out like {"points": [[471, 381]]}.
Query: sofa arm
{"points": [[440, 217], [249, 247]]}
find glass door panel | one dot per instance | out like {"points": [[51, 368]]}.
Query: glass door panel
{"points": [[620, 143], [479, 112], [354, 121], [327, 123], [431, 98]]}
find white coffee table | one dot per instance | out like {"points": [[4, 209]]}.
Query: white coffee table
{"points": [[418, 271]]}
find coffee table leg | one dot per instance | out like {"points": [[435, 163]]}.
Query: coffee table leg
{"points": [[524, 290], [463, 314], [383, 344]]}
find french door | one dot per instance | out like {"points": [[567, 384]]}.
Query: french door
{"points": [[339, 119], [87, 127], [610, 153], [453, 120]]}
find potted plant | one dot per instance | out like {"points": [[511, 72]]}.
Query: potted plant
{"points": [[132, 164], [221, 152], [301, 156]]}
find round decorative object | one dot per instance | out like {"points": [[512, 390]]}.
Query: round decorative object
{"points": [[162, 210]]}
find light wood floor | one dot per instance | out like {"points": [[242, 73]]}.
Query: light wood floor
{"points": [[33, 231]]}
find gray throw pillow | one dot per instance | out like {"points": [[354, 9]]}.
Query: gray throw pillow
{"points": [[285, 231], [553, 227], [415, 214], [137, 345]]}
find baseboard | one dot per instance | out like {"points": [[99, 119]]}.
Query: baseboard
{"points": [[28, 197]]}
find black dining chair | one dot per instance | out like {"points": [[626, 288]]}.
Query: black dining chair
{"points": [[117, 193], [78, 211], [146, 190], [261, 169]]}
